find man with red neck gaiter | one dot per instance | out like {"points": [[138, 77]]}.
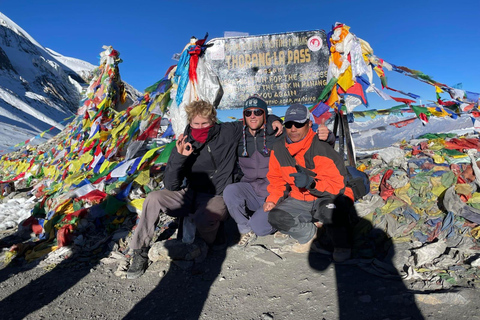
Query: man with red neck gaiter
{"points": [[200, 134], [197, 172]]}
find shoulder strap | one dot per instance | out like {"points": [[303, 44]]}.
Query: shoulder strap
{"points": [[283, 156], [287, 159]]}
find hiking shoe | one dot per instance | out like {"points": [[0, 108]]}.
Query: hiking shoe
{"points": [[245, 239], [341, 254], [138, 264], [279, 237], [299, 247]]}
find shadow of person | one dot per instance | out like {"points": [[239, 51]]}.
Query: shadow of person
{"points": [[368, 285], [182, 292], [51, 284], [13, 265], [46, 288]]}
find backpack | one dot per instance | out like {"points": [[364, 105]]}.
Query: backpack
{"points": [[358, 181]]}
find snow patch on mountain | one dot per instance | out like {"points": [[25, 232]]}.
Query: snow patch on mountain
{"points": [[380, 133], [39, 87]]}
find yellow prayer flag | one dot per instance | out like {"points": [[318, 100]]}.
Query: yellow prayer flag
{"points": [[391, 205], [148, 154], [402, 193], [143, 178], [362, 167], [101, 105], [345, 80], [86, 124], [137, 204], [333, 97], [401, 239], [104, 135], [74, 178], [475, 232], [75, 166], [31, 255], [92, 139], [104, 165], [475, 199], [125, 130], [463, 188], [438, 158], [65, 207], [117, 129], [47, 171], [380, 73], [86, 158], [438, 111], [138, 109]]}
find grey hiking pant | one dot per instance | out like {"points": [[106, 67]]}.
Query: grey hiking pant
{"points": [[208, 211], [294, 217], [238, 198]]}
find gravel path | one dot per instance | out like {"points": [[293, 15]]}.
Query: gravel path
{"points": [[251, 283]]}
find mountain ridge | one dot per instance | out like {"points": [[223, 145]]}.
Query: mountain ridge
{"points": [[39, 87]]}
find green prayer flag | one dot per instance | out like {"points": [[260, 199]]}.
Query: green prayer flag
{"points": [[163, 158], [152, 87], [327, 89], [448, 179]]}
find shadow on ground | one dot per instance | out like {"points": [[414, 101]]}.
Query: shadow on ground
{"points": [[55, 280], [379, 293], [178, 296]]}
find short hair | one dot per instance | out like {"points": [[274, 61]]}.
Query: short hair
{"points": [[201, 108]]}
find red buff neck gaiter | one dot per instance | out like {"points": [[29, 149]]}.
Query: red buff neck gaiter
{"points": [[201, 134]]}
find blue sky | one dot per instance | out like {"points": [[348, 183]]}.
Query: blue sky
{"points": [[439, 38]]}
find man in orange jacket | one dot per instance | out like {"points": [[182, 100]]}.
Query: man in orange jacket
{"points": [[308, 187]]}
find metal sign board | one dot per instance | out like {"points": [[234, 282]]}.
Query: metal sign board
{"points": [[282, 68]]}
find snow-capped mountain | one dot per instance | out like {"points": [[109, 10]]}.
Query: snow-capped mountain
{"points": [[381, 133], [39, 87]]}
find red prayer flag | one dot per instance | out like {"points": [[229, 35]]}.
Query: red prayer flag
{"points": [[151, 131], [406, 101], [403, 123]]}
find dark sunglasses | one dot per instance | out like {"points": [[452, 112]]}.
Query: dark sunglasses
{"points": [[257, 112], [297, 125]]}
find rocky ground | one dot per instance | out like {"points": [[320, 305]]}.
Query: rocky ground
{"points": [[257, 282]]}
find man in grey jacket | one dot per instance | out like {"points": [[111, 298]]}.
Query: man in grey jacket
{"points": [[245, 199]]}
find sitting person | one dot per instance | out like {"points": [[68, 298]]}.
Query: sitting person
{"points": [[245, 199], [312, 177], [197, 172]]}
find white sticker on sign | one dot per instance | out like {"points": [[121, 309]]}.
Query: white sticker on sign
{"points": [[314, 43]]}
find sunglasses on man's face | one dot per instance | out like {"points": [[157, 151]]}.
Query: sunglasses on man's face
{"points": [[297, 125], [257, 112]]}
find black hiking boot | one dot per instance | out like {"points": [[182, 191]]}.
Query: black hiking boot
{"points": [[138, 264]]}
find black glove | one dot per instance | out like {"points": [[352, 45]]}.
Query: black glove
{"points": [[302, 179]]}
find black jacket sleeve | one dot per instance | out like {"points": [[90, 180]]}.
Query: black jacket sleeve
{"points": [[174, 171], [235, 128], [331, 138], [270, 119]]}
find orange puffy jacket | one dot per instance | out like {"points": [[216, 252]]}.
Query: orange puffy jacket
{"points": [[319, 157]]}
